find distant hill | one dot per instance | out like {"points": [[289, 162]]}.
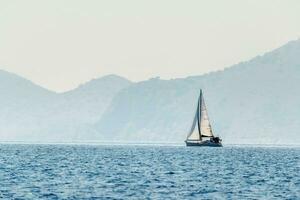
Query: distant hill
{"points": [[79, 109], [252, 102], [31, 113], [21, 104]]}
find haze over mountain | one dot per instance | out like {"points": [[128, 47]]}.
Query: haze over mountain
{"points": [[251, 102], [31, 113]]}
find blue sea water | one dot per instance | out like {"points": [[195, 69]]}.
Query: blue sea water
{"points": [[148, 172]]}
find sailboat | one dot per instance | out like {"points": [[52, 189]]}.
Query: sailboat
{"points": [[201, 132]]}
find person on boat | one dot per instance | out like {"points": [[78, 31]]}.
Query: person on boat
{"points": [[215, 139]]}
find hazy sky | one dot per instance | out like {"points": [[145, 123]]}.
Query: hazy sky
{"points": [[59, 44]]}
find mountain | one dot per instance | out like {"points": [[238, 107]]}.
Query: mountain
{"points": [[90, 100], [21, 103], [251, 102], [75, 112], [29, 112]]}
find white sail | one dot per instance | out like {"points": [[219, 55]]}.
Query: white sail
{"points": [[194, 132], [201, 119], [205, 127], [201, 128]]}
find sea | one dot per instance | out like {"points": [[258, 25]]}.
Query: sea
{"points": [[73, 171]]}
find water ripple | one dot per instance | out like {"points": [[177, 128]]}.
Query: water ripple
{"points": [[148, 172]]}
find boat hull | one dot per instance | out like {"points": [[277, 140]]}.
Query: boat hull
{"points": [[203, 144]]}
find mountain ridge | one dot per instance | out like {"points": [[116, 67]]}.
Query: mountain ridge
{"points": [[30, 112], [253, 101], [261, 81]]}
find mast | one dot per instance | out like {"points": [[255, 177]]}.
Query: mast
{"points": [[199, 114]]}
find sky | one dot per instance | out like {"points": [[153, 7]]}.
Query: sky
{"points": [[60, 44]]}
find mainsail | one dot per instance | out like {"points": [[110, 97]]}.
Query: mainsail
{"points": [[205, 127], [201, 126]]}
